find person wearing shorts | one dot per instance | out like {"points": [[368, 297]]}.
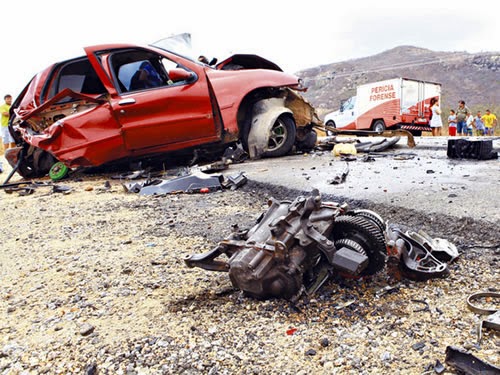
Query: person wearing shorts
{"points": [[490, 121], [479, 124], [8, 141], [461, 118], [452, 123]]}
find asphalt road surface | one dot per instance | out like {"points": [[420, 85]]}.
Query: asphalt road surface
{"points": [[428, 182]]}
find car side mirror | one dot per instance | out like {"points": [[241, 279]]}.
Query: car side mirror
{"points": [[177, 75]]}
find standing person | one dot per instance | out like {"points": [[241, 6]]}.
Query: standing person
{"points": [[490, 121], [452, 123], [436, 122], [479, 124], [8, 141], [470, 123], [461, 118]]}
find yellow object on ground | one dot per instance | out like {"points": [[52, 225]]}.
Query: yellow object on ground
{"points": [[344, 148]]}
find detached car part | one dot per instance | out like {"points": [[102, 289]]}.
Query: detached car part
{"points": [[467, 363], [411, 256], [296, 246], [492, 321]]}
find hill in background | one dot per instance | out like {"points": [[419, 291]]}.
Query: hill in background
{"points": [[474, 78]]}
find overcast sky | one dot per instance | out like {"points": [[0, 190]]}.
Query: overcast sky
{"points": [[294, 34]]}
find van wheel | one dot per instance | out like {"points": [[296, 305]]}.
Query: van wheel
{"points": [[330, 123], [378, 126], [281, 137]]}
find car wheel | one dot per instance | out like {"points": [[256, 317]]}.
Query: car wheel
{"points": [[379, 126], [281, 137], [36, 164]]}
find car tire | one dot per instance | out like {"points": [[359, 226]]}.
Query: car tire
{"points": [[378, 126], [281, 137]]}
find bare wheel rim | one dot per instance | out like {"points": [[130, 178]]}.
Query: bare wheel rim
{"points": [[277, 135]]}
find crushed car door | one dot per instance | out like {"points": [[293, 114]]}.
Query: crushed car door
{"points": [[160, 104]]}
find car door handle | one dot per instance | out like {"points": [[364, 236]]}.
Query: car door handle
{"points": [[126, 101]]}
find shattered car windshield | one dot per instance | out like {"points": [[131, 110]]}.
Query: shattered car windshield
{"points": [[179, 44]]}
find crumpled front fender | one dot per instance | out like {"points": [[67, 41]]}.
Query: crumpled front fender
{"points": [[264, 114]]}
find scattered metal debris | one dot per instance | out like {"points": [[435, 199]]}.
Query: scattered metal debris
{"points": [[186, 184], [467, 363], [467, 149], [493, 319], [235, 154], [214, 167], [339, 178], [368, 133], [134, 175], [421, 301], [235, 181], [382, 145], [412, 256]]}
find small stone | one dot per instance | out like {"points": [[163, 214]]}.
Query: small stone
{"points": [[324, 342], [311, 352], [86, 329], [418, 345], [90, 369], [10, 309], [386, 356], [89, 188]]}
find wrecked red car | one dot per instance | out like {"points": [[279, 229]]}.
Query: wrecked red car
{"points": [[124, 101]]}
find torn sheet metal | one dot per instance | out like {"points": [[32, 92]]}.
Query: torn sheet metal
{"points": [[185, 184], [467, 363]]}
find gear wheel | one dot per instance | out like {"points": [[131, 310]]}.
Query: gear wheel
{"points": [[373, 216], [368, 238]]}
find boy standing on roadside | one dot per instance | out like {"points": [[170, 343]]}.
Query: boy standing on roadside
{"points": [[8, 141], [452, 123], [479, 124], [490, 122]]}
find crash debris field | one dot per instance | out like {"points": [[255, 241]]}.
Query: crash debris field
{"points": [[93, 280]]}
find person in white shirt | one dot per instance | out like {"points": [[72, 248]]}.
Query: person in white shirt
{"points": [[436, 122]]}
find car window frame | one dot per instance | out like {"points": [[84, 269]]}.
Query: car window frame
{"points": [[117, 83], [53, 80]]}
